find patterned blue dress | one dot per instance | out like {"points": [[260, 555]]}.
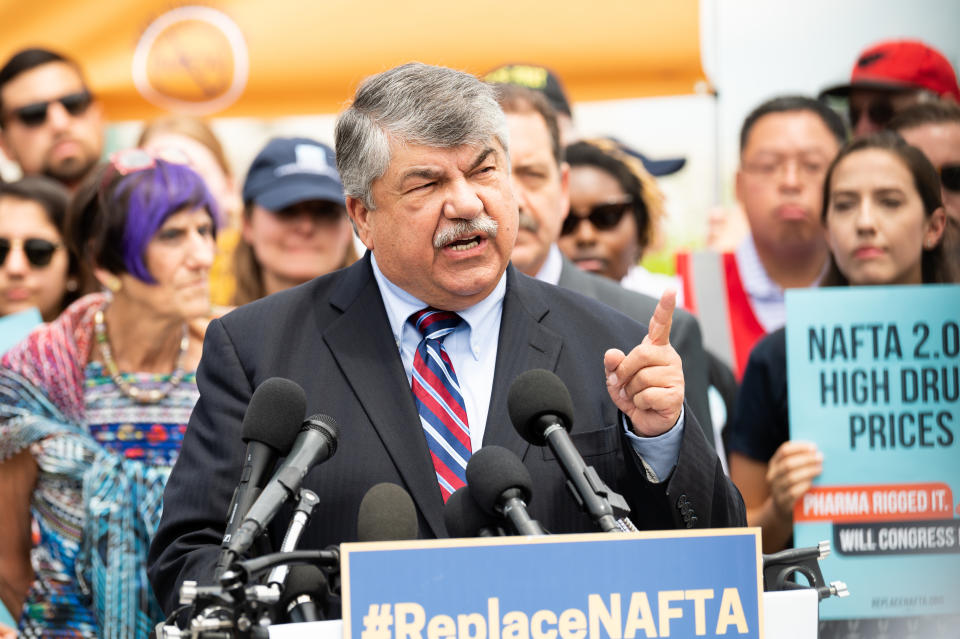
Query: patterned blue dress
{"points": [[60, 603]]}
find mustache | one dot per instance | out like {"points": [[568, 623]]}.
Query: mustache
{"points": [[480, 225], [527, 222]]}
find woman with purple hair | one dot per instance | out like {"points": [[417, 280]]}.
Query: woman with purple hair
{"points": [[93, 406]]}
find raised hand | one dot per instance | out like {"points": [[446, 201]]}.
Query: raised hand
{"points": [[647, 384]]}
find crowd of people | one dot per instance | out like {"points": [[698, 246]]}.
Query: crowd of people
{"points": [[474, 199]]}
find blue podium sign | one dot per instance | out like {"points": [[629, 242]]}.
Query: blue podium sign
{"points": [[590, 586]]}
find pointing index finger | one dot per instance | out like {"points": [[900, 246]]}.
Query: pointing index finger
{"points": [[659, 331]]}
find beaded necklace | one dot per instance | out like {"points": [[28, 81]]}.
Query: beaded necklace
{"points": [[136, 394]]}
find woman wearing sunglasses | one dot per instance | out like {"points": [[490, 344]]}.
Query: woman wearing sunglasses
{"points": [[93, 406], [36, 268], [615, 209], [884, 223]]}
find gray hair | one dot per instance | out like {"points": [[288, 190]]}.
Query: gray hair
{"points": [[414, 103]]}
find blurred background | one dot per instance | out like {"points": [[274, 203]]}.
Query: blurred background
{"points": [[672, 80]]}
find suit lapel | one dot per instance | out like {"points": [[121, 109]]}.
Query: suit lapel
{"points": [[572, 278], [363, 345], [524, 344]]}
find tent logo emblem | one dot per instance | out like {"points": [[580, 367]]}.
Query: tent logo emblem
{"points": [[191, 60]]}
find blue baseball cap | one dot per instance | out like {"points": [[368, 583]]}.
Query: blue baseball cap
{"points": [[656, 168], [292, 170]]}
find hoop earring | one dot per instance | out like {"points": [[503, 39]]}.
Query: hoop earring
{"points": [[113, 284]]}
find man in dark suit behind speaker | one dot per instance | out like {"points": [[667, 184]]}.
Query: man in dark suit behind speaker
{"points": [[541, 185], [423, 154]]}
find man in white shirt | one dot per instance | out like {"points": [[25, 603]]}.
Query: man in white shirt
{"points": [[423, 154]]}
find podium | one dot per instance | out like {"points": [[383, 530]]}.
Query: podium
{"points": [[790, 614], [670, 583]]}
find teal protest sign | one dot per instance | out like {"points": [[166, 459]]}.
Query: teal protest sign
{"points": [[874, 381]]}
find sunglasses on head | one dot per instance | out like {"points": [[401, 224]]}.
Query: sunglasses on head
{"points": [[39, 252], [33, 115], [603, 217], [950, 177], [880, 113], [127, 161]]}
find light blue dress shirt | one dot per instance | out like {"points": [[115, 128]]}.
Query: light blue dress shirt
{"points": [[472, 347]]}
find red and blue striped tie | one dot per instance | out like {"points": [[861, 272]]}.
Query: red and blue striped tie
{"points": [[436, 392]]}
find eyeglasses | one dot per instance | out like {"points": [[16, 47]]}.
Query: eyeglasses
{"points": [[950, 177], [880, 113], [603, 217], [808, 165], [322, 211], [34, 115], [39, 252]]}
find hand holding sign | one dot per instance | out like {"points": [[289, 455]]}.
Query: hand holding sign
{"points": [[790, 474], [647, 384]]}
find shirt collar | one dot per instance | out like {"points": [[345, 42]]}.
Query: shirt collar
{"points": [[400, 305], [755, 279], [550, 271]]}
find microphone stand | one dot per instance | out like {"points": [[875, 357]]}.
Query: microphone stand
{"points": [[237, 607], [307, 501]]}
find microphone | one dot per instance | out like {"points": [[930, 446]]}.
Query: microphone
{"points": [[501, 485], [316, 443], [269, 427], [464, 518], [541, 410], [305, 594], [387, 513]]}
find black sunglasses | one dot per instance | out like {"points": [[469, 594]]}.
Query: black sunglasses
{"points": [[950, 177], [603, 217], [319, 210], [39, 252], [879, 112], [33, 115]]}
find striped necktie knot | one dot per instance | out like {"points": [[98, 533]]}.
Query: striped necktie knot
{"points": [[434, 324], [437, 394]]}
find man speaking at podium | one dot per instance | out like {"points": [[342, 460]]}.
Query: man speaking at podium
{"points": [[423, 154]]}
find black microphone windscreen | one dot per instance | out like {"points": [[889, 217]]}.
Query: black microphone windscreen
{"points": [[463, 516], [493, 470], [304, 579], [535, 393], [387, 513], [325, 424], [274, 414]]}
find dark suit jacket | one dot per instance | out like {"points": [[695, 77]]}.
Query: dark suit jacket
{"points": [[332, 336], [684, 333]]}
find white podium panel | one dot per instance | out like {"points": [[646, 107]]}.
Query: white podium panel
{"points": [[790, 614]]}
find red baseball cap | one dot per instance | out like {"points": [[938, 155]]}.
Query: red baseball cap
{"points": [[898, 65]]}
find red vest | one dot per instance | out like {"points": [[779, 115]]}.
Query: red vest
{"points": [[714, 292]]}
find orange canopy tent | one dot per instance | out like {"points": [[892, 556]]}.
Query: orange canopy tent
{"points": [[283, 57]]}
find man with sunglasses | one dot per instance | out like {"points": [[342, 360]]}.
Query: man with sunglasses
{"points": [[890, 76], [541, 186], [50, 123], [934, 128]]}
